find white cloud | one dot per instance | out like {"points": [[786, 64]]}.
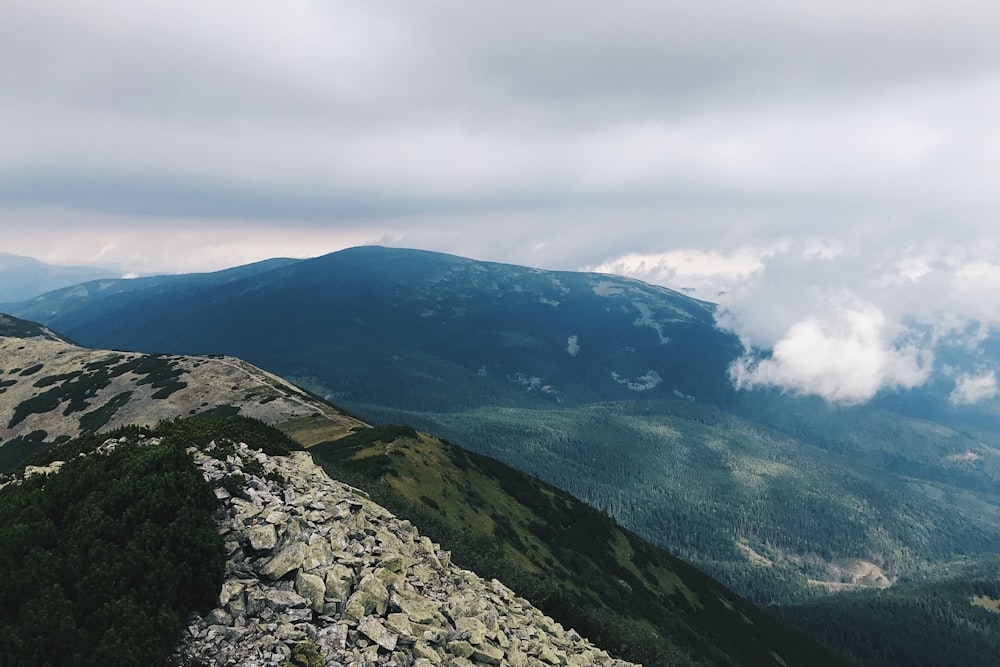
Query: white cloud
{"points": [[971, 389], [644, 382], [690, 269], [173, 246], [768, 162], [845, 357], [573, 345]]}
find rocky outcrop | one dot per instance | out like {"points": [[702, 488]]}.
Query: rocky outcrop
{"points": [[315, 566]]}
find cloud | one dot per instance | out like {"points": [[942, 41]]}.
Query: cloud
{"points": [[175, 245], [845, 315], [772, 160], [846, 357], [692, 270], [573, 345], [644, 382], [971, 389]]}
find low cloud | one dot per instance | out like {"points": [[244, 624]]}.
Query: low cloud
{"points": [[690, 270], [644, 382], [844, 316], [971, 389], [573, 345], [846, 357]]}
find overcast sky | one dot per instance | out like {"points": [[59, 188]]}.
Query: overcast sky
{"points": [[827, 171]]}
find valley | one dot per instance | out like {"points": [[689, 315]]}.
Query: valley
{"points": [[569, 559], [608, 389]]}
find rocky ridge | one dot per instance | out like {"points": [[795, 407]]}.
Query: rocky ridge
{"points": [[316, 568]]}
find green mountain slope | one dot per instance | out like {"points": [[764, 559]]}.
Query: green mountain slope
{"points": [[775, 518], [52, 390], [569, 559], [611, 389], [14, 327], [951, 622], [630, 596]]}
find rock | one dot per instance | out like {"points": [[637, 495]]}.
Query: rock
{"points": [[487, 654], [400, 624], [393, 580], [316, 560], [318, 554], [373, 628], [370, 596], [461, 648], [288, 559], [474, 629], [262, 537], [312, 588], [230, 589], [339, 582], [424, 651], [417, 609], [281, 600]]}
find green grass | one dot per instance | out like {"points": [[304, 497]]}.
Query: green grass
{"points": [[94, 420]]}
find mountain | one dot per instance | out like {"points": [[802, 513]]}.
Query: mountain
{"points": [[570, 560], [96, 299], [611, 389], [424, 331], [604, 580], [22, 278]]}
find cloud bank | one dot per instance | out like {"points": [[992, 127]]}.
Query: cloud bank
{"points": [[844, 320], [825, 171]]}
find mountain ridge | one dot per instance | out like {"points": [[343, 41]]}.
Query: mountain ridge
{"points": [[58, 358], [25, 277]]}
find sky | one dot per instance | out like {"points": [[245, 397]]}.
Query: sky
{"points": [[826, 171]]}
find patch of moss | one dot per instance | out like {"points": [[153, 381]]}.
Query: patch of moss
{"points": [[304, 654]]}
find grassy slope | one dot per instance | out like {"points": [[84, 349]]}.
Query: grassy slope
{"points": [[572, 560], [703, 484]]}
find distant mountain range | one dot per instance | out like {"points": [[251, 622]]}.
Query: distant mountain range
{"points": [[22, 278]]}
